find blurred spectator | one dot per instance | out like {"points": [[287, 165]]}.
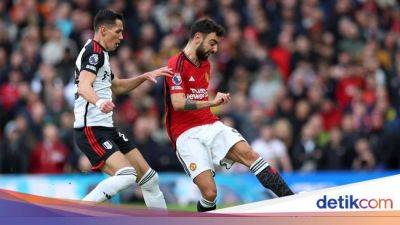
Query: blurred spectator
{"points": [[4, 67], [284, 132], [301, 79], [63, 20], [159, 157], [67, 137], [37, 115], [306, 153], [14, 151], [350, 42], [9, 93], [333, 154], [282, 54], [364, 159], [303, 51], [271, 149], [301, 116], [265, 87], [49, 155], [330, 113]]}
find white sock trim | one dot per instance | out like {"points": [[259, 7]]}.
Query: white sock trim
{"points": [[258, 166], [147, 176], [207, 204], [126, 171]]}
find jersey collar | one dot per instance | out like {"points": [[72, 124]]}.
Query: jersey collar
{"points": [[191, 62], [102, 48]]}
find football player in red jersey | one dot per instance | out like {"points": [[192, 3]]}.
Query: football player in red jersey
{"points": [[198, 136]]}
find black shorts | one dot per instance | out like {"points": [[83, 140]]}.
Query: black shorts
{"points": [[99, 143]]}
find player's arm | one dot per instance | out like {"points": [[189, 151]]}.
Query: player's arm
{"points": [[86, 91], [121, 86], [91, 63], [179, 102]]}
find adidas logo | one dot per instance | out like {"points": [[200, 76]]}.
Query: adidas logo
{"points": [[191, 78]]}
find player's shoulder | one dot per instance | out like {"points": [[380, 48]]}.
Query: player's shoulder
{"points": [[175, 58], [93, 53], [92, 47]]}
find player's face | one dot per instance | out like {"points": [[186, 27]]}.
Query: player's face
{"points": [[208, 46], [113, 35]]}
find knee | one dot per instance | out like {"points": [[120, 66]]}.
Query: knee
{"points": [[210, 194]]}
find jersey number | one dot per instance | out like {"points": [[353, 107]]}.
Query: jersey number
{"points": [[105, 75], [122, 136]]}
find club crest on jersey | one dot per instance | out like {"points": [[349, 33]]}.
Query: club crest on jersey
{"points": [[192, 166], [94, 59], [177, 79], [107, 145]]}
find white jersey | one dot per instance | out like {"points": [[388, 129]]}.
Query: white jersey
{"points": [[95, 59]]}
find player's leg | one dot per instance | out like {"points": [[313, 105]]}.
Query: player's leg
{"points": [[270, 178], [197, 163], [136, 159], [206, 184], [147, 178], [104, 155], [229, 146], [122, 175]]}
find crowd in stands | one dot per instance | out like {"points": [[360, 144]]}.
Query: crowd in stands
{"points": [[315, 85]]}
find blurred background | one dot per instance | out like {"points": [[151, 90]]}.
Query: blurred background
{"points": [[315, 90]]}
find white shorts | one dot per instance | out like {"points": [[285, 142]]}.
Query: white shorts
{"points": [[199, 148]]}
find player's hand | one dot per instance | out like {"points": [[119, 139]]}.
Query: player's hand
{"points": [[163, 71], [105, 105], [221, 98]]}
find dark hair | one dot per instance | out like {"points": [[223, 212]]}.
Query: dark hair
{"points": [[206, 26], [105, 17]]}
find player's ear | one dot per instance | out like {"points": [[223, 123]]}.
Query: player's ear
{"points": [[102, 30], [198, 37]]}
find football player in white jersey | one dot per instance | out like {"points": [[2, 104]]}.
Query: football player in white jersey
{"points": [[108, 149]]}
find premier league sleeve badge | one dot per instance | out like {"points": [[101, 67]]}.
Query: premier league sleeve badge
{"points": [[94, 59], [177, 79]]}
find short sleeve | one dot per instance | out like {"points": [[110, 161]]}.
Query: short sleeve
{"points": [[175, 83], [92, 62]]}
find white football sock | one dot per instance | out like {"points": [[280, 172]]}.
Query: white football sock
{"points": [[107, 188], [153, 197]]}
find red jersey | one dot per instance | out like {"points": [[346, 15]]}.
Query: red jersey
{"points": [[193, 82]]}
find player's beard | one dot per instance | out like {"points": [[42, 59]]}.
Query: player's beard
{"points": [[201, 53]]}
